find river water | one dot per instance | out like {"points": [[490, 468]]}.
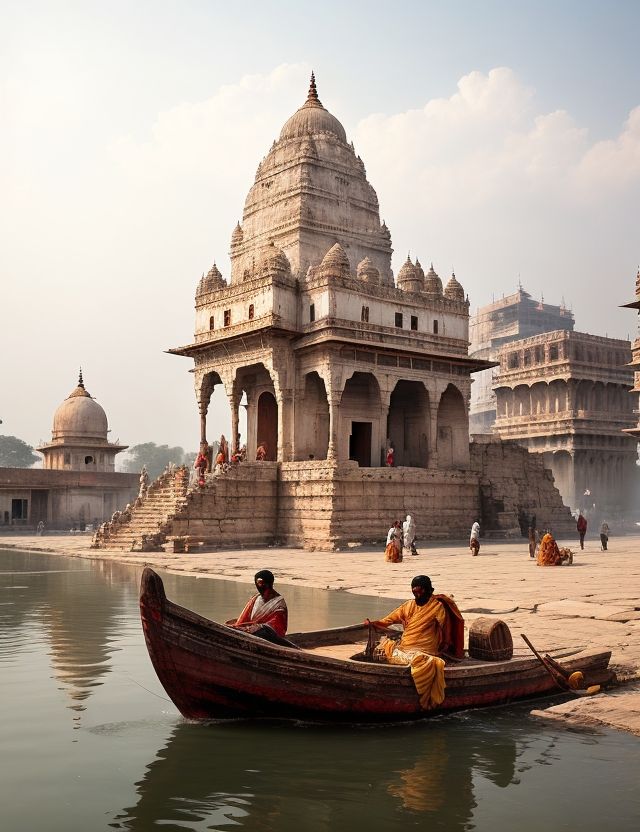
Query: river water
{"points": [[89, 740]]}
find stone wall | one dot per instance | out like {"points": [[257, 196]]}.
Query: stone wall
{"points": [[514, 482]]}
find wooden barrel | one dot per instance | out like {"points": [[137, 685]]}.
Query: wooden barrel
{"points": [[490, 639]]}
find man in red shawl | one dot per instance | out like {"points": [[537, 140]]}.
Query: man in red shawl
{"points": [[265, 614]]}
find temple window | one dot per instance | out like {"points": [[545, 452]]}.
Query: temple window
{"points": [[88, 460], [312, 312], [67, 458], [251, 311], [212, 323], [435, 327], [513, 360], [553, 352], [364, 315], [227, 317], [399, 319], [414, 323], [539, 355]]}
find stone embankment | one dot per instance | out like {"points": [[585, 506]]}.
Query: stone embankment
{"points": [[594, 603]]}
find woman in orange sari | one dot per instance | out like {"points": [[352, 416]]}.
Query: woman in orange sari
{"points": [[550, 555]]}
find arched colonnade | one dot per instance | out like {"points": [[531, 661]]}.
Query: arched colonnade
{"points": [[343, 415]]}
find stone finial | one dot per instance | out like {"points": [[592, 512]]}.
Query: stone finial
{"points": [[312, 96], [80, 381]]}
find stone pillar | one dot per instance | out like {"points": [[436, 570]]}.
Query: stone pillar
{"points": [[234, 402], [252, 427], [433, 432], [203, 408], [333, 398], [284, 399]]}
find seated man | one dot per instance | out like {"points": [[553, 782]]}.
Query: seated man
{"points": [[432, 625], [265, 614]]}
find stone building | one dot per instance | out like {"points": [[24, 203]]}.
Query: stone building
{"points": [[335, 360], [564, 394], [635, 361], [78, 483], [508, 319]]}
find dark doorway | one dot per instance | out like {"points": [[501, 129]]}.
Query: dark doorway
{"points": [[268, 424], [360, 443], [39, 502]]}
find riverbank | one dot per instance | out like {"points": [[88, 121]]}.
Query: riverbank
{"points": [[594, 603]]}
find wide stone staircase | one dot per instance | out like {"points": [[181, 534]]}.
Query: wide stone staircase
{"points": [[145, 524]]}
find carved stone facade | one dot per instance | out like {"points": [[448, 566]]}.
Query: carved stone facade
{"points": [[335, 360], [635, 361], [565, 395], [508, 319]]}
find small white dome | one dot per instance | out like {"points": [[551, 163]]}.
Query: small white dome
{"points": [[80, 416]]}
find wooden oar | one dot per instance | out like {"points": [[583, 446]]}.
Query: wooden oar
{"points": [[555, 674], [559, 674]]}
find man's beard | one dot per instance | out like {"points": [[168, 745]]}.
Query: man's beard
{"points": [[422, 600]]}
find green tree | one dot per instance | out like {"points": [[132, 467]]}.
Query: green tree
{"points": [[14, 453], [155, 457]]}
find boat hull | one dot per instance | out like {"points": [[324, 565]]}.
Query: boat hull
{"points": [[211, 671]]}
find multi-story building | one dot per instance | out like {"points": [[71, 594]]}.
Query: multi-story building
{"points": [[508, 319], [565, 394]]}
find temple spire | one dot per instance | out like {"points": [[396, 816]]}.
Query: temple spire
{"points": [[312, 96], [80, 381]]}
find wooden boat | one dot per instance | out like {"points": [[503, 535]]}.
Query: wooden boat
{"points": [[212, 671]]}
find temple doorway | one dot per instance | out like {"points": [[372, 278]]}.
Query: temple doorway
{"points": [[408, 424], [360, 443], [268, 424]]}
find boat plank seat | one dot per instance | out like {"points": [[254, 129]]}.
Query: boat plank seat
{"points": [[338, 651]]}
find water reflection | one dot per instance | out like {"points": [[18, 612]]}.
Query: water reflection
{"points": [[219, 776], [77, 612]]}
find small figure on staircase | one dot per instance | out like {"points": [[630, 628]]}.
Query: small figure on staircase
{"points": [[202, 464], [144, 482]]}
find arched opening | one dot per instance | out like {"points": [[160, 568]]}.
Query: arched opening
{"points": [[312, 420], [218, 417], [360, 417], [453, 430], [408, 424], [522, 396], [268, 424], [257, 421]]}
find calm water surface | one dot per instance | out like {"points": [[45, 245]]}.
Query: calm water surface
{"points": [[89, 740]]}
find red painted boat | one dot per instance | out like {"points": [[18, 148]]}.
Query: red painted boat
{"points": [[212, 671]]}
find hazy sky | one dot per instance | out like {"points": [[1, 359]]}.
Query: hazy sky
{"points": [[503, 139]]}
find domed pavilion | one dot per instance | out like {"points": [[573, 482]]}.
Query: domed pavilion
{"points": [[79, 439]]}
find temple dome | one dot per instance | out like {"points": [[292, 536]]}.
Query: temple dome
{"points": [[432, 282], [336, 261], [407, 272], [312, 118], [367, 271], [211, 281], [273, 259], [453, 290], [79, 416]]}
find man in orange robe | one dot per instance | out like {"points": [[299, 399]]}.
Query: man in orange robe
{"points": [[431, 625]]}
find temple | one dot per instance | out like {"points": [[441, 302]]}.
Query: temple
{"points": [[335, 359], [356, 383]]}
